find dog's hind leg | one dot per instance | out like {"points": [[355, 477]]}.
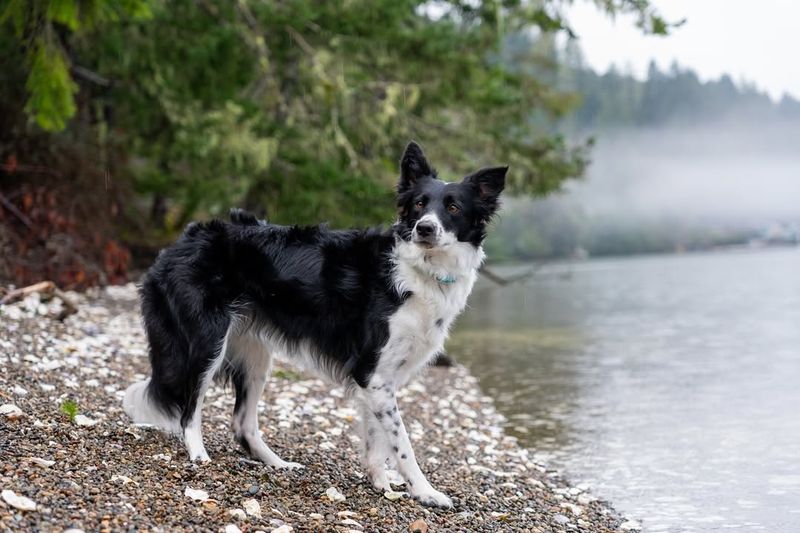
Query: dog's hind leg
{"points": [[192, 416], [251, 365], [209, 354]]}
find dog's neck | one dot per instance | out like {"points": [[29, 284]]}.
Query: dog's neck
{"points": [[448, 272]]}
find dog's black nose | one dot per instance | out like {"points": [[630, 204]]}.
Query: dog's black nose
{"points": [[425, 229]]}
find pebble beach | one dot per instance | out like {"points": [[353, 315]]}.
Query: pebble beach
{"points": [[70, 459]]}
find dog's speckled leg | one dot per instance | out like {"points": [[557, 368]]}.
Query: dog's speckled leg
{"points": [[379, 397]]}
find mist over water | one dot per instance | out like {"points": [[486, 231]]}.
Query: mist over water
{"points": [[731, 172]]}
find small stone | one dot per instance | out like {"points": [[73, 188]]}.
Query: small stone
{"points": [[393, 495], [631, 525], [83, 420], [123, 480], [418, 526], [19, 502], [238, 514], [253, 489], [334, 495], [560, 518], [252, 508], [351, 522], [574, 509], [232, 528], [44, 463], [316, 516], [10, 411], [20, 391], [196, 494], [285, 528]]}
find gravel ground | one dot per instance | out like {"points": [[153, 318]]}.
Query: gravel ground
{"points": [[67, 446]]}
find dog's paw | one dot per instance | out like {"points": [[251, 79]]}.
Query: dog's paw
{"points": [[434, 498], [378, 478], [200, 457]]}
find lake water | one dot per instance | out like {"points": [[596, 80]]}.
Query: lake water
{"points": [[670, 384]]}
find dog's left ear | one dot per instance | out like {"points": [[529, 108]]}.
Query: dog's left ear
{"points": [[413, 166], [488, 183]]}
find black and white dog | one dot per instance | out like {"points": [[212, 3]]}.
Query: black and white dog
{"points": [[366, 309]]}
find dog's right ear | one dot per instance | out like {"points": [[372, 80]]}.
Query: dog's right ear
{"points": [[413, 166]]}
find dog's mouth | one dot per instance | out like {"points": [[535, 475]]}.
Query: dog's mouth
{"points": [[424, 242]]}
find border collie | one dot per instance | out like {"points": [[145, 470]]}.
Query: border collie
{"points": [[366, 309]]}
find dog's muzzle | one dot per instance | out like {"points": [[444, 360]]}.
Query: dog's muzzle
{"points": [[426, 233]]}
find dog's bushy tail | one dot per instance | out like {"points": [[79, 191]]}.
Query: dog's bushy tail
{"points": [[244, 218], [140, 407]]}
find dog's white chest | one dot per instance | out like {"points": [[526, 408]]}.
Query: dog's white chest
{"points": [[419, 327]]}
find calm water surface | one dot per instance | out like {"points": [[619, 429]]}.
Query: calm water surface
{"points": [[670, 384]]}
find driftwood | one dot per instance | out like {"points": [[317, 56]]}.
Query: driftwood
{"points": [[45, 288], [503, 281]]}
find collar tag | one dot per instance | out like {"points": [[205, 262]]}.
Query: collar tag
{"points": [[446, 280]]}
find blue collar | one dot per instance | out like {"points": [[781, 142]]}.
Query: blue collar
{"points": [[446, 280]]}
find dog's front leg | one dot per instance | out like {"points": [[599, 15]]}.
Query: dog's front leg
{"points": [[376, 449], [379, 397]]}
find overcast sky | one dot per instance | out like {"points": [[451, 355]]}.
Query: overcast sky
{"points": [[756, 40]]}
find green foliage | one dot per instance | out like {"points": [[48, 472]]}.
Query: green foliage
{"points": [[300, 108], [52, 90], [70, 409], [36, 24]]}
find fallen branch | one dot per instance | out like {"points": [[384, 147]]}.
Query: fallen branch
{"points": [[46, 288], [16, 212], [503, 281]]}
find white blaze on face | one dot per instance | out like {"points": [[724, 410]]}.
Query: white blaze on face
{"points": [[442, 237]]}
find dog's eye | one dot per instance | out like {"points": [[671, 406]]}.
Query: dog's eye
{"points": [[420, 204], [453, 209]]}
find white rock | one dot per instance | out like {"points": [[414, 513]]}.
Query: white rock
{"points": [[393, 495], [232, 528], [285, 528], [252, 507], [346, 514], [574, 509], [44, 463], [196, 494], [631, 525], [83, 420], [46, 387], [10, 410], [334, 495], [238, 514], [20, 502], [20, 391], [352, 523], [316, 516]]}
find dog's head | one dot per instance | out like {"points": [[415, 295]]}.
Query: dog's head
{"points": [[436, 214]]}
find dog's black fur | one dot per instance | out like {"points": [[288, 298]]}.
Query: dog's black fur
{"points": [[330, 287]]}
